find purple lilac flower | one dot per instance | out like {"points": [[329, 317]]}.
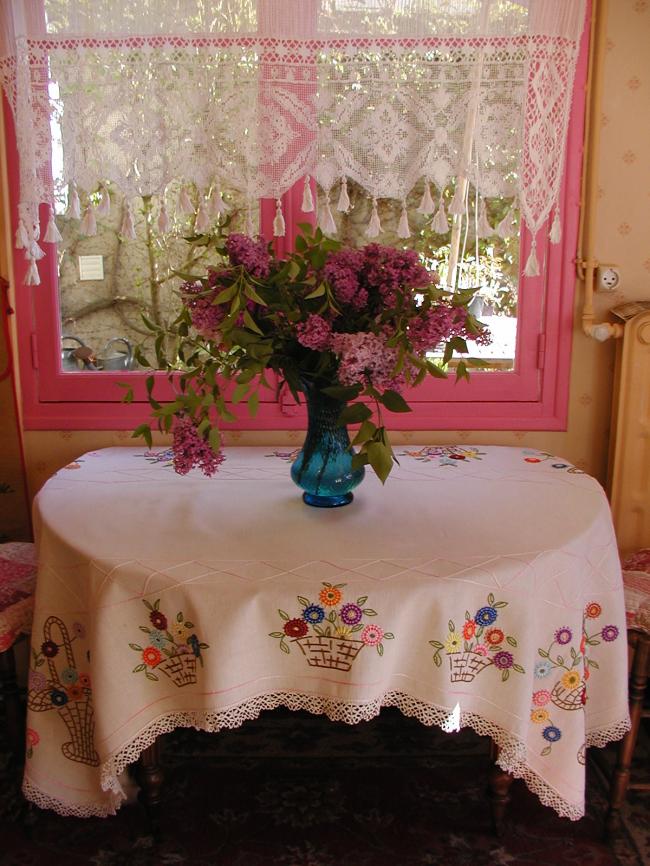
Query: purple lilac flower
{"points": [[563, 635], [351, 614], [205, 315], [364, 358], [191, 449], [609, 632], [436, 324], [315, 333], [251, 253], [342, 271], [389, 271], [503, 660]]}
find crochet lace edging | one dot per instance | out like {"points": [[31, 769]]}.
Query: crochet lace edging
{"points": [[512, 751]]}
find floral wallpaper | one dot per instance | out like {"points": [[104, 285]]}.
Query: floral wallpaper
{"points": [[621, 238]]}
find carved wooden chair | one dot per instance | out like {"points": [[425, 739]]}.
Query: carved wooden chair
{"points": [[636, 580], [17, 580]]}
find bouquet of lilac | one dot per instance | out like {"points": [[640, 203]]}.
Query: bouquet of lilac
{"points": [[357, 324]]}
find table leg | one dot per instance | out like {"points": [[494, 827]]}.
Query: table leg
{"points": [[150, 777], [499, 783], [11, 697]]}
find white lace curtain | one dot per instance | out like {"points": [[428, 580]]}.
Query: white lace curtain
{"points": [[255, 95]]}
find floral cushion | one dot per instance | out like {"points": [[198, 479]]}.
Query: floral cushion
{"points": [[17, 579], [636, 581]]}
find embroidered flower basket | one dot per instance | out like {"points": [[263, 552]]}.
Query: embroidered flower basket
{"points": [[180, 668], [77, 712], [330, 652], [567, 699], [465, 666]]}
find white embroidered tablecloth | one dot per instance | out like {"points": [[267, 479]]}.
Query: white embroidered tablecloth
{"points": [[481, 586]]}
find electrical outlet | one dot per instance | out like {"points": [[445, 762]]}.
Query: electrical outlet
{"points": [[608, 278]]}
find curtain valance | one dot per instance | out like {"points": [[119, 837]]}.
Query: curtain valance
{"points": [[254, 95]]}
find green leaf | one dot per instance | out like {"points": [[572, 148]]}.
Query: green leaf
{"points": [[189, 624], [543, 653], [128, 397], [226, 295], [342, 392], [490, 600], [283, 614], [136, 647], [394, 402], [138, 668], [276, 634], [381, 459], [518, 668], [437, 659], [151, 676], [251, 323], [365, 433], [284, 647], [436, 643], [354, 414], [370, 612], [214, 439], [318, 292], [239, 393], [380, 649], [145, 629], [179, 617], [504, 675], [252, 295], [546, 751], [511, 640], [303, 601], [362, 600], [388, 635], [253, 404], [451, 626], [143, 430]]}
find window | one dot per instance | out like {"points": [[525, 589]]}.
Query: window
{"points": [[92, 289]]}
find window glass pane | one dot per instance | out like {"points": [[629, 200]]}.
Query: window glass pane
{"points": [[490, 263]]}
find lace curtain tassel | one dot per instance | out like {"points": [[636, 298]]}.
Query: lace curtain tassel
{"points": [[344, 199], [22, 238], [457, 206], [128, 227], [74, 205], [202, 221], [218, 205], [403, 229], [484, 229], [532, 265], [556, 229], [440, 223], [52, 233], [104, 206], [34, 252], [278, 221], [185, 205], [426, 205], [307, 198], [326, 222], [374, 226], [504, 229], [88, 225], [32, 278], [164, 224]]}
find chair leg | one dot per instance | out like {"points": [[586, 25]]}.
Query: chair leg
{"points": [[621, 777], [499, 782], [150, 777], [11, 696]]}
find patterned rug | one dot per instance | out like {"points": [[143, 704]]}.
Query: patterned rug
{"points": [[296, 790]]}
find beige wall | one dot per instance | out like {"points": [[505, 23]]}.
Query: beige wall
{"points": [[622, 237]]}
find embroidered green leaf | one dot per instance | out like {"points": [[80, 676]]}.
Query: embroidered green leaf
{"points": [[136, 647], [331, 616], [546, 751], [511, 640], [40, 662], [151, 676], [138, 668], [284, 647], [543, 653], [179, 617], [303, 601], [156, 604], [380, 649], [370, 612], [169, 653], [276, 634], [560, 661], [500, 604], [467, 646], [452, 627], [362, 600], [593, 664], [490, 600], [504, 675], [319, 631], [436, 643], [388, 635], [283, 614], [437, 659], [593, 642], [328, 631], [467, 615], [204, 645], [479, 631], [573, 653], [576, 661], [518, 668], [356, 628], [145, 629], [146, 604], [189, 624]]}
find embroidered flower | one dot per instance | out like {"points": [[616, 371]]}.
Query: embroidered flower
{"points": [[75, 692], [84, 681], [58, 698], [37, 681], [593, 610], [503, 660], [193, 641], [151, 656], [485, 616], [571, 680], [49, 649], [157, 638], [453, 642], [542, 669], [469, 629], [330, 596], [494, 636], [78, 630], [539, 716], [563, 635], [32, 737], [295, 628], [314, 614], [69, 676], [541, 698], [372, 635], [552, 734], [481, 649], [158, 620], [343, 631], [351, 614], [609, 633], [179, 632]]}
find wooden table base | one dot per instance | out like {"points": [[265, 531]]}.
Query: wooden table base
{"points": [[150, 777], [499, 783]]}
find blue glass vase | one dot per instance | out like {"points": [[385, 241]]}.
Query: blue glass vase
{"points": [[323, 469]]}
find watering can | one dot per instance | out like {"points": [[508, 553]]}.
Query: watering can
{"points": [[111, 359], [75, 358]]}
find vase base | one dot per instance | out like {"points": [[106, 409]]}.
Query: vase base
{"points": [[327, 501]]}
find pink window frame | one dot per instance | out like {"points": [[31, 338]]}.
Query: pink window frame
{"points": [[532, 397]]}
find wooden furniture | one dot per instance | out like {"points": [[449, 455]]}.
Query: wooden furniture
{"points": [[636, 580], [17, 580]]}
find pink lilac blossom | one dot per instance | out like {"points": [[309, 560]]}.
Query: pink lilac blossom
{"points": [[441, 323], [365, 359], [315, 333], [251, 253], [206, 316], [191, 449], [342, 271], [389, 271]]}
